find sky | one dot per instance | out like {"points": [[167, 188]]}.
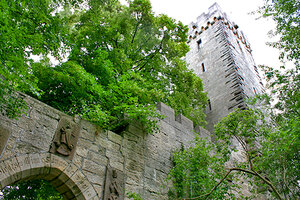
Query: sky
{"points": [[238, 11]]}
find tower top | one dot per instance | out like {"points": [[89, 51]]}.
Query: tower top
{"points": [[214, 7], [213, 11]]}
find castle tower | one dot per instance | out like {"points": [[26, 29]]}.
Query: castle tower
{"points": [[221, 55]]}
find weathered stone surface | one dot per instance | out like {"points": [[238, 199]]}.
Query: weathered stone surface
{"points": [[97, 158], [4, 134], [103, 142], [134, 178], [187, 123], [166, 111], [87, 135], [93, 167], [24, 163], [65, 138], [96, 179], [12, 171], [115, 156], [114, 137], [114, 184], [142, 159]]}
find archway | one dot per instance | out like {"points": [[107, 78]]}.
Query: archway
{"points": [[64, 175]]}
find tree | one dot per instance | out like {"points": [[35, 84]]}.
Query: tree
{"points": [[123, 60], [198, 168], [271, 157], [269, 134], [27, 27], [285, 13], [32, 189]]}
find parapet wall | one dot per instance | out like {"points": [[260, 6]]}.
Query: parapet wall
{"points": [[30, 148]]}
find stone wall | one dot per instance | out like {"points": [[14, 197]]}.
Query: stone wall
{"points": [[29, 150]]}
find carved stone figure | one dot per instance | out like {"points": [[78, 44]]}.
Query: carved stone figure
{"points": [[64, 143], [65, 138], [114, 185], [4, 135]]}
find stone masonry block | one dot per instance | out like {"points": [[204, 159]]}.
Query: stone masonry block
{"points": [[203, 133], [90, 193], [24, 163], [68, 172], [187, 123], [117, 165], [10, 171], [150, 173], [90, 136], [81, 181], [45, 163], [134, 178], [103, 142], [166, 111], [136, 130], [114, 137], [36, 164], [93, 167], [4, 134], [97, 158], [133, 166], [116, 156], [95, 178], [113, 146]]}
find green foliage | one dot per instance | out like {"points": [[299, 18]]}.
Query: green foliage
{"points": [[271, 159], [197, 169], [32, 189], [123, 60], [134, 196], [286, 15], [27, 27]]}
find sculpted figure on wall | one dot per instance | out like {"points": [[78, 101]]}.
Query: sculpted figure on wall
{"points": [[64, 141], [114, 185], [65, 138]]}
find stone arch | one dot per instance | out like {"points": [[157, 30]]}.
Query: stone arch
{"points": [[64, 175]]}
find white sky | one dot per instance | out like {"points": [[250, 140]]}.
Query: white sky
{"points": [[238, 11]]}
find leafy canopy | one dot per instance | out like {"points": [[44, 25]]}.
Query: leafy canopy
{"points": [[32, 189], [27, 27], [285, 13], [122, 60]]}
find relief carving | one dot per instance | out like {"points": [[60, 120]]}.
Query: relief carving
{"points": [[65, 138], [114, 184], [4, 135]]}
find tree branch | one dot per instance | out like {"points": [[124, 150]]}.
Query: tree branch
{"points": [[245, 149], [153, 54], [241, 170], [135, 31]]}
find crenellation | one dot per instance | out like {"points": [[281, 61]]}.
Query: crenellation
{"points": [[187, 123], [167, 111]]}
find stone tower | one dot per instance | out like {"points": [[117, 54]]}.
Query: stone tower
{"points": [[221, 55]]}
